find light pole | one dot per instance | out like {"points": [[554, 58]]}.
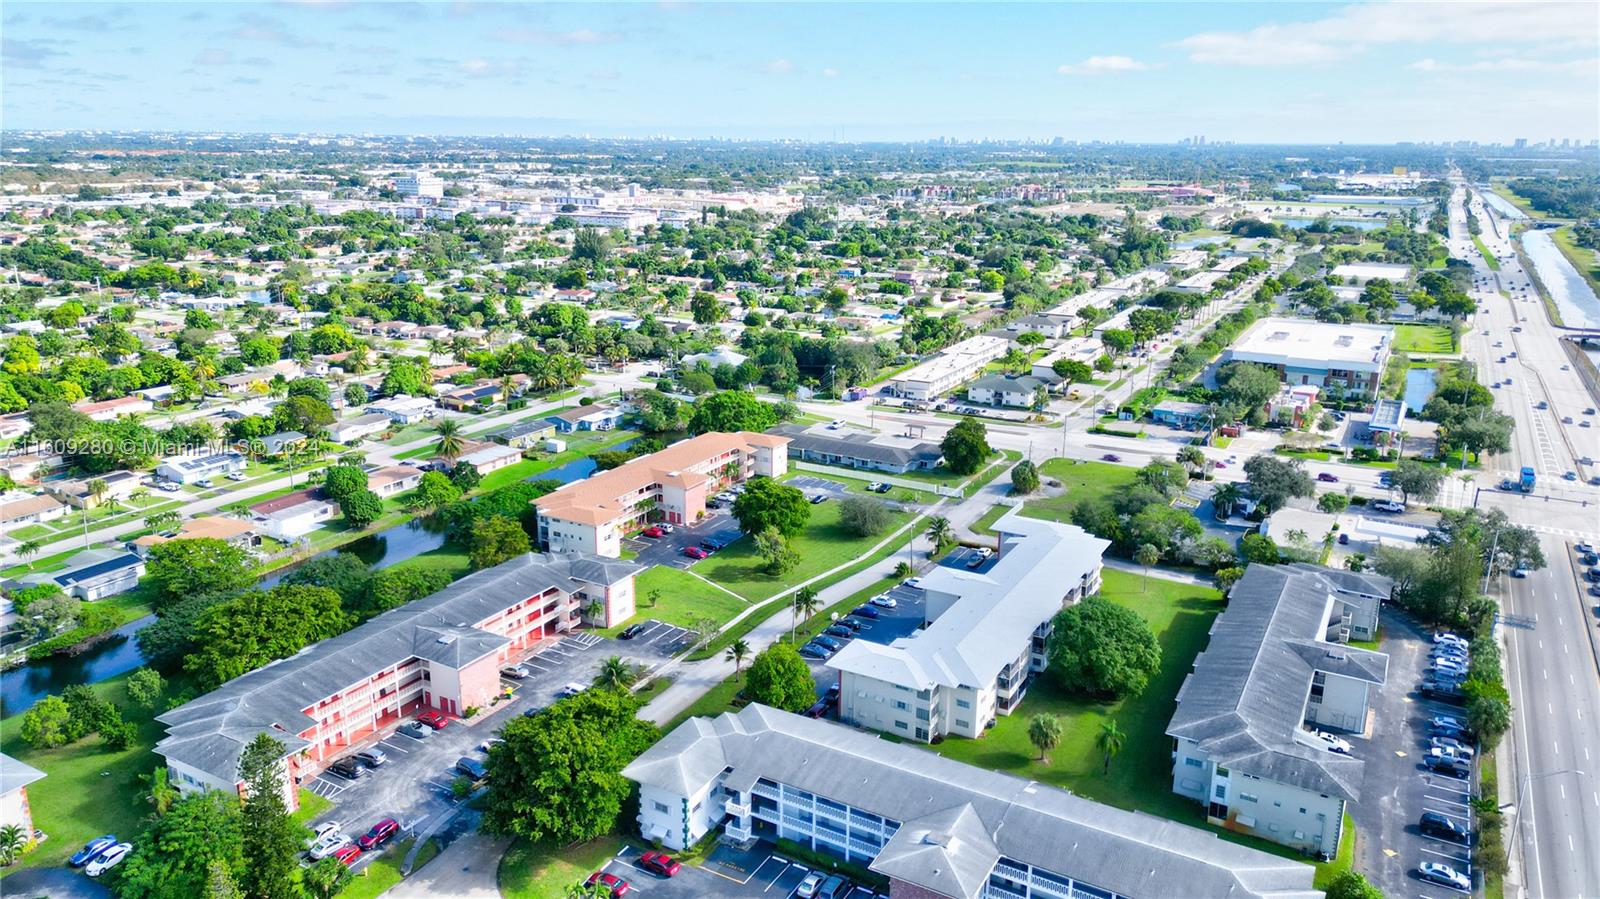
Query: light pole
{"points": [[1523, 788]]}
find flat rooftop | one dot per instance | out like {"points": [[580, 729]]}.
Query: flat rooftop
{"points": [[1315, 345]]}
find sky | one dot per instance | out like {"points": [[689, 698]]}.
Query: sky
{"points": [[1151, 72]]}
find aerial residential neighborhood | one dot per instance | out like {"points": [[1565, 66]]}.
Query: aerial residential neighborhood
{"points": [[856, 451]]}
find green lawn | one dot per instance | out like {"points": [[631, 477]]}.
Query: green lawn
{"points": [[985, 522], [856, 483], [375, 879], [578, 446], [1488, 257], [684, 599], [1423, 339], [823, 546], [1081, 480], [1585, 260], [546, 872]]}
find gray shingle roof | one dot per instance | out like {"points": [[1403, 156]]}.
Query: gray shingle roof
{"points": [[858, 446], [210, 732], [1247, 696], [1007, 383], [984, 814]]}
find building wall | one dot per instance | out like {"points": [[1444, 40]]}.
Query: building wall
{"points": [[14, 810], [621, 602], [479, 683], [190, 779], [880, 705], [1283, 814], [1343, 703], [109, 585]]}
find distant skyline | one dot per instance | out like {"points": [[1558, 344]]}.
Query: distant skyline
{"points": [[1244, 72]]}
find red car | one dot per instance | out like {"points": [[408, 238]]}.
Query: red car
{"points": [[660, 863], [381, 833], [347, 854], [653, 531], [434, 719], [619, 887], [1327, 478], [695, 552]]}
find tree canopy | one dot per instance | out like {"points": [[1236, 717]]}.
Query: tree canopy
{"points": [[1100, 648]]}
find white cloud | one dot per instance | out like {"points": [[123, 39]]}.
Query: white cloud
{"points": [[1509, 64], [779, 67], [547, 38], [1104, 65], [830, 72], [1354, 28], [213, 57]]}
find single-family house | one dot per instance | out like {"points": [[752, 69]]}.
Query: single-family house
{"points": [[524, 434], [294, 515], [92, 574], [394, 480], [487, 457], [192, 469], [592, 417], [354, 430], [14, 809]]}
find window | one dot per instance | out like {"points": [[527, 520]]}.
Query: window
{"points": [[1249, 797], [1222, 791], [901, 725], [960, 723], [1302, 811], [901, 706], [1194, 762], [963, 704], [661, 807], [1221, 771]]}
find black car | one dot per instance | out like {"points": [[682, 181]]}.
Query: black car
{"points": [[631, 631], [869, 612], [348, 768], [840, 631], [831, 693], [814, 651], [854, 624], [819, 499], [881, 488], [831, 644], [710, 545], [468, 766], [1434, 824], [1454, 767]]}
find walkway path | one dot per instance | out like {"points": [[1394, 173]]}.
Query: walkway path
{"points": [[467, 869]]}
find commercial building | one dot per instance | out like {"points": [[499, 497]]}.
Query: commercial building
{"points": [[954, 366], [190, 469], [594, 514], [860, 449], [933, 826], [14, 809], [92, 574], [1276, 667], [1346, 356], [441, 652], [1180, 414], [420, 184], [982, 640], [1358, 274]]}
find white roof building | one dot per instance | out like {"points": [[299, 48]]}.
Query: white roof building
{"points": [[1359, 273]]}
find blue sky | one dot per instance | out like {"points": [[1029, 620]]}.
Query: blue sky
{"points": [[1250, 72]]}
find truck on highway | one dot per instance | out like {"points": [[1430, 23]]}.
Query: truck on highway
{"points": [[1525, 483]]}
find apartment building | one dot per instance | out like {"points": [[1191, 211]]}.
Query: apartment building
{"points": [[1274, 669], [441, 652], [982, 641], [1016, 391], [933, 826], [954, 366], [420, 184], [593, 515], [1321, 354], [14, 808], [864, 450]]}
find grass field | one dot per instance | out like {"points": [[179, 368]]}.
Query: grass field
{"points": [[1585, 260], [1081, 480], [684, 599], [578, 446], [546, 872], [985, 522], [1423, 339], [824, 545], [1515, 199], [1488, 257], [376, 879]]}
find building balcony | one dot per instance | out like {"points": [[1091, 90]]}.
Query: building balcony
{"points": [[996, 891], [764, 790], [736, 807], [738, 831], [1011, 872]]}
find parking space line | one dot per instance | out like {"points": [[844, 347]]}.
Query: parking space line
{"points": [[1455, 858], [393, 748]]}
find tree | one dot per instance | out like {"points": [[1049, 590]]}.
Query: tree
{"points": [[1147, 556], [343, 573], [1227, 577], [1260, 549], [863, 516], [494, 540], [806, 603], [355, 395], [1416, 479], [1192, 458], [778, 677], [1109, 741], [1072, 371], [737, 652], [1024, 477], [732, 410], [465, 476], [243, 633], [393, 587], [304, 414], [181, 569], [1100, 648], [144, 688], [47, 724], [776, 553], [191, 848], [939, 533], [1333, 503], [1349, 884], [557, 778], [340, 481], [326, 877], [269, 838], [1246, 385], [13, 839], [161, 794], [707, 309], [435, 491], [591, 245], [966, 446], [1224, 498], [616, 674], [1274, 481], [451, 442], [407, 378], [28, 549], [767, 503], [361, 509], [1044, 732], [1164, 477]]}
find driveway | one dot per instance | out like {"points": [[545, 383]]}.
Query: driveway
{"points": [[729, 873], [668, 549], [466, 869], [890, 625], [1398, 787], [52, 883]]}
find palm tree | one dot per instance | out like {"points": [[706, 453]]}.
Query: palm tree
{"points": [[1109, 742], [13, 839], [939, 532], [450, 439], [111, 504], [162, 794], [1191, 457], [736, 654], [28, 549], [806, 604], [615, 674], [1224, 498], [98, 490], [1044, 731], [1146, 555]]}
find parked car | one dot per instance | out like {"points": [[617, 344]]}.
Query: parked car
{"points": [[665, 528], [814, 651], [434, 718], [1452, 745], [381, 833], [416, 730], [809, 886], [840, 631], [819, 499], [488, 744], [467, 766], [881, 488], [854, 624], [695, 552], [1434, 824], [834, 888], [631, 631], [1327, 477], [1444, 875], [515, 672], [1446, 637], [1519, 572], [660, 863], [832, 644], [107, 860], [976, 562], [572, 688], [652, 532], [348, 768], [372, 758], [866, 612], [1446, 763], [1385, 505], [884, 601], [92, 849], [328, 845], [1332, 743], [347, 854], [615, 884], [1446, 726]]}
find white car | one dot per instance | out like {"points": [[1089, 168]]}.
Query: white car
{"points": [[328, 845], [572, 689], [1442, 637], [108, 859], [1434, 872], [322, 830], [985, 551], [884, 601], [914, 583], [1385, 505], [1332, 743], [808, 887]]}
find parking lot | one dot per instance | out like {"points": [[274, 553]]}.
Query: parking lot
{"points": [[728, 873], [414, 785], [1398, 787], [890, 625], [668, 549]]}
